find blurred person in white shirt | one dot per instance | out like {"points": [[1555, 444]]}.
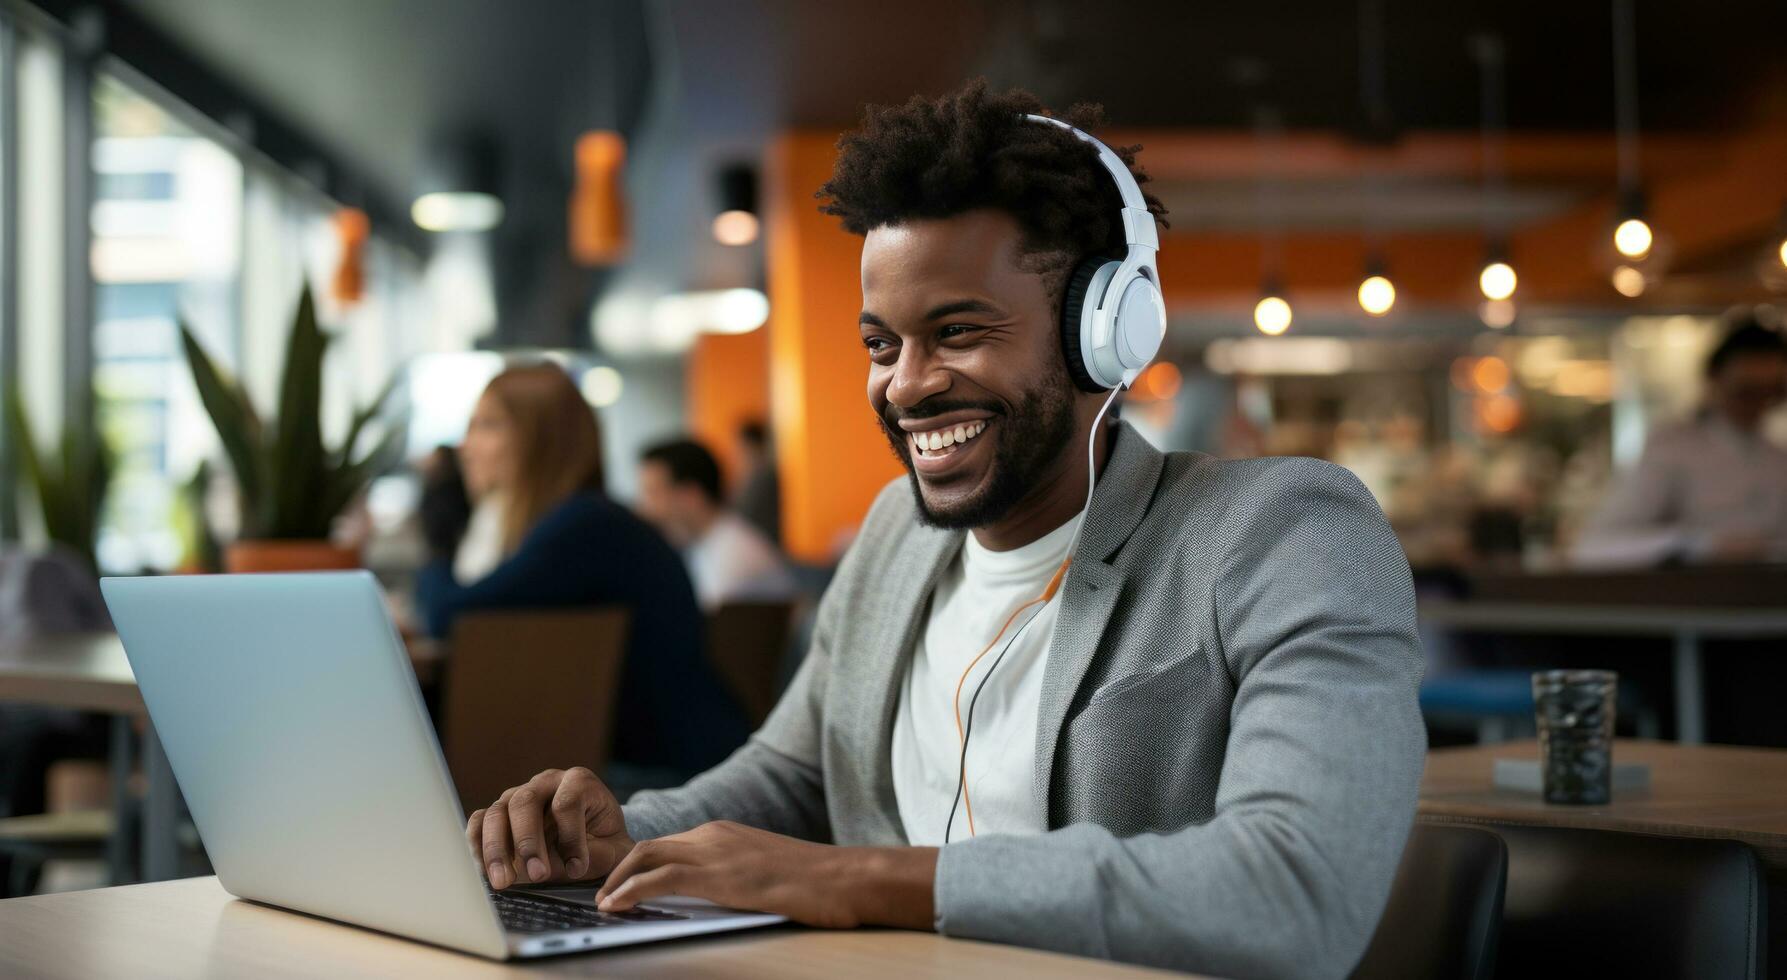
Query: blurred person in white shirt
{"points": [[729, 559], [1712, 488]]}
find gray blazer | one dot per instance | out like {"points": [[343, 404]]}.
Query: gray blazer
{"points": [[1228, 747]]}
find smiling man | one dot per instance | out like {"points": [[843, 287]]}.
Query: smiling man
{"points": [[1175, 726]]}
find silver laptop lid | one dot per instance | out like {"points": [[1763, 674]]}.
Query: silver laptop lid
{"points": [[290, 714]]}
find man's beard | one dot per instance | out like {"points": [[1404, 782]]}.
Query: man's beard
{"points": [[1030, 440]]}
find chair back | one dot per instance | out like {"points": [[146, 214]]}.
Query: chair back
{"points": [[1445, 908], [745, 643], [1604, 903], [526, 691]]}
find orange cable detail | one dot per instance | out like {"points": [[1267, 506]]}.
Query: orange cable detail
{"points": [[961, 739]]}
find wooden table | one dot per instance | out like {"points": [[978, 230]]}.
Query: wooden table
{"points": [[1686, 626], [193, 928], [1695, 791], [89, 672]]}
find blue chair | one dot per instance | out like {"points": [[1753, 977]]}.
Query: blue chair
{"points": [[1498, 702]]}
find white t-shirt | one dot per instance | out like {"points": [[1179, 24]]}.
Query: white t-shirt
{"points": [[973, 598], [481, 549], [735, 562]]}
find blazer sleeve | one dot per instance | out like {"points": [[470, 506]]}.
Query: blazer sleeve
{"points": [[1316, 616]]}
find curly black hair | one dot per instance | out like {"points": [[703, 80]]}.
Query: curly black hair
{"points": [[935, 158]]}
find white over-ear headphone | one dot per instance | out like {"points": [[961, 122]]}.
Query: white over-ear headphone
{"points": [[1113, 316]]}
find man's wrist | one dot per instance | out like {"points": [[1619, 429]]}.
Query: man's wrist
{"points": [[891, 886]]}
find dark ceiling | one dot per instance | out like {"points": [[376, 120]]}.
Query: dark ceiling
{"points": [[699, 82]]}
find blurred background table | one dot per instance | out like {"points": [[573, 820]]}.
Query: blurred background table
{"points": [[1695, 791], [1688, 626]]}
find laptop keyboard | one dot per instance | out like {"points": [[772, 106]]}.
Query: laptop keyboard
{"points": [[532, 913]]}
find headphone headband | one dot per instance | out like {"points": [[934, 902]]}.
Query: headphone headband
{"points": [[1138, 221]]}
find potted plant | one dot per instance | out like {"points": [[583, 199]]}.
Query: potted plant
{"points": [[291, 486], [70, 490]]}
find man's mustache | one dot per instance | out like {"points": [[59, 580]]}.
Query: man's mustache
{"points": [[891, 416]]}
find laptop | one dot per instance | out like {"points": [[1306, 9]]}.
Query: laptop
{"points": [[291, 716]]}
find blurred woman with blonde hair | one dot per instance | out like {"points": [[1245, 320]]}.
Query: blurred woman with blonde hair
{"points": [[543, 534]]}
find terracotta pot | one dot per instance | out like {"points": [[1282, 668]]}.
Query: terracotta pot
{"points": [[287, 555]]}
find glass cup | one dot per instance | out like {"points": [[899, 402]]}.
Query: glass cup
{"points": [[1575, 714]]}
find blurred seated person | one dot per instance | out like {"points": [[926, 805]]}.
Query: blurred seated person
{"points": [[542, 534], [759, 496], [729, 559], [1712, 488]]}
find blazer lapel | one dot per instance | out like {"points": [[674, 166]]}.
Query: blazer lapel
{"points": [[886, 649], [1120, 501]]}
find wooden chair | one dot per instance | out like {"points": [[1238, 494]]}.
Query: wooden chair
{"points": [[529, 690], [746, 642]]}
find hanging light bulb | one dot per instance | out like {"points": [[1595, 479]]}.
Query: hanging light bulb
{"points": [[1782, 253], [1272, 315], [1497, 280], [1377, 294], [737, 222], [1632, 234], [1632, 238]]}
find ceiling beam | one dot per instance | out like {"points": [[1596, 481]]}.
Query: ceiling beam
{"points": [[1588, 157]]}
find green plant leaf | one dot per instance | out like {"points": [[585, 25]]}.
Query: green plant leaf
{"points": [[238, 428], [347, 481], [296, 460], [70, 494], [45, 485], [365, 415]]}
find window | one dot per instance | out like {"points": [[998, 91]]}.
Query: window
{"points": [[37, 369], [167, 232]]}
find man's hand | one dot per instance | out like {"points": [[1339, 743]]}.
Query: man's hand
{"points": [[562, 825], [813, 884]]}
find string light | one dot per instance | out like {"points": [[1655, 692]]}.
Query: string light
{"points": [[1628, 281], [1497, 280], [1632, 238], [1377, 294], [1272, 315]]}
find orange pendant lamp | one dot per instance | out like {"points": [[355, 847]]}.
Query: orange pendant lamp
{"points": [[598, 216], [351, 231]]}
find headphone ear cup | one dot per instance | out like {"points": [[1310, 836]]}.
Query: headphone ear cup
{"points": [[1073, 305]]}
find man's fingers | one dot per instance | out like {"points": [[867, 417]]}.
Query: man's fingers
{"points": [[670, 879], [645, 856], [474, 830], [495, 845], [527, 827], [569, 807]]}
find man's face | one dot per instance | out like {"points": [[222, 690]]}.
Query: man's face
{"points": [[1748, 386], [662, 503], [962, 349]]}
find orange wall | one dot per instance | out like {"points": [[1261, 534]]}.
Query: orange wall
{"points": [[833, 458], [727, 383]]}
